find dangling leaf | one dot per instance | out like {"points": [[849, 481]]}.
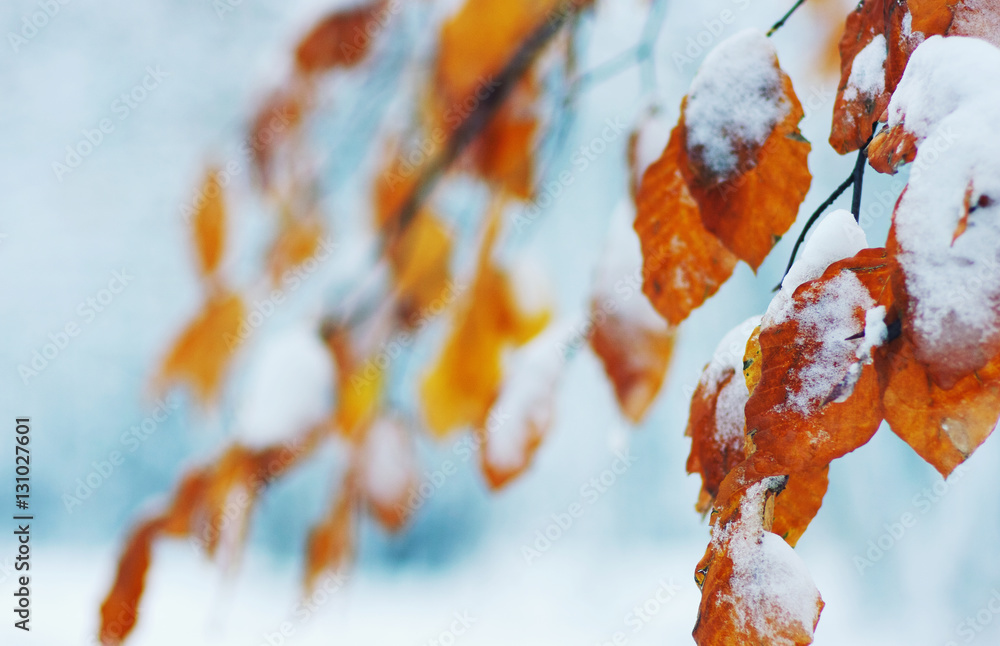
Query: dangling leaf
{"points": [[419, 258], [465, 380], [744, 159], [331, 542], [210, 224], [755, 588], [716, 423], [683, 264], [343, 38], [631, 339], [201, 355]]}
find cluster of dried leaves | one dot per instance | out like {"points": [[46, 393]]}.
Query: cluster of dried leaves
{"points": [[842, 346]]}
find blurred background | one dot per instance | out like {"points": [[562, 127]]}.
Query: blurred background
{"points": [[624, 566]]}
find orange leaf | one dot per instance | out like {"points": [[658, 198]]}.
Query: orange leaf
{"points": [[342, 39], [944, 427], [716, 422], [331, 542], [200, 356], [944, 236], [119, 611], [879, 38], [460, 388], [797, 505], [297, 242], [197, 510], [683, 264], [420, 258], [471, 55], [503, 153], [818, 395], [755, 588], [743, 157], [524, 409], [210, 224], [631, 339]]}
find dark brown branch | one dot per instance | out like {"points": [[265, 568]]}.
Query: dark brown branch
{"points": [[474, 124], [778, 25]]}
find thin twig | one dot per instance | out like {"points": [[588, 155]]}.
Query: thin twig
{"points": [[778, 25], [812, 220], [474, 124]]}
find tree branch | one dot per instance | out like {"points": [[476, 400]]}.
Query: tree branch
{"points": [[778, 25], [467, 131]]}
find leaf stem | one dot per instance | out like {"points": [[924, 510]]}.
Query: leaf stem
{"points": [[778, 25]]}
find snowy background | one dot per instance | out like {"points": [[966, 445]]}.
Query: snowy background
{"points": [[625, 566]]}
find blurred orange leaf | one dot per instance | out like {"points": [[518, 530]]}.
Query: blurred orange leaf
{"points": [[343, 38], [209, 224], [331, 542], [463, 383], [297, 241], [200, 355], [420, 258], [683, 264]]}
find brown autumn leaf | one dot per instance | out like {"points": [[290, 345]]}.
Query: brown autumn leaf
{"points": [[879, 38], [716, 422], [297, 241], [799, 502], [503, 153], [470, 56], [277, 119], [419, 257], [388, 472], [755, 588], [343, 38], [683, 264], [197, 511], [465, 380], [742, 155], [627, 334], [331, 542], [200, 355], [635, 358], [119, 612], [524, 409], [944, 427], [945, 237], [209, 226], [818, 397]]}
